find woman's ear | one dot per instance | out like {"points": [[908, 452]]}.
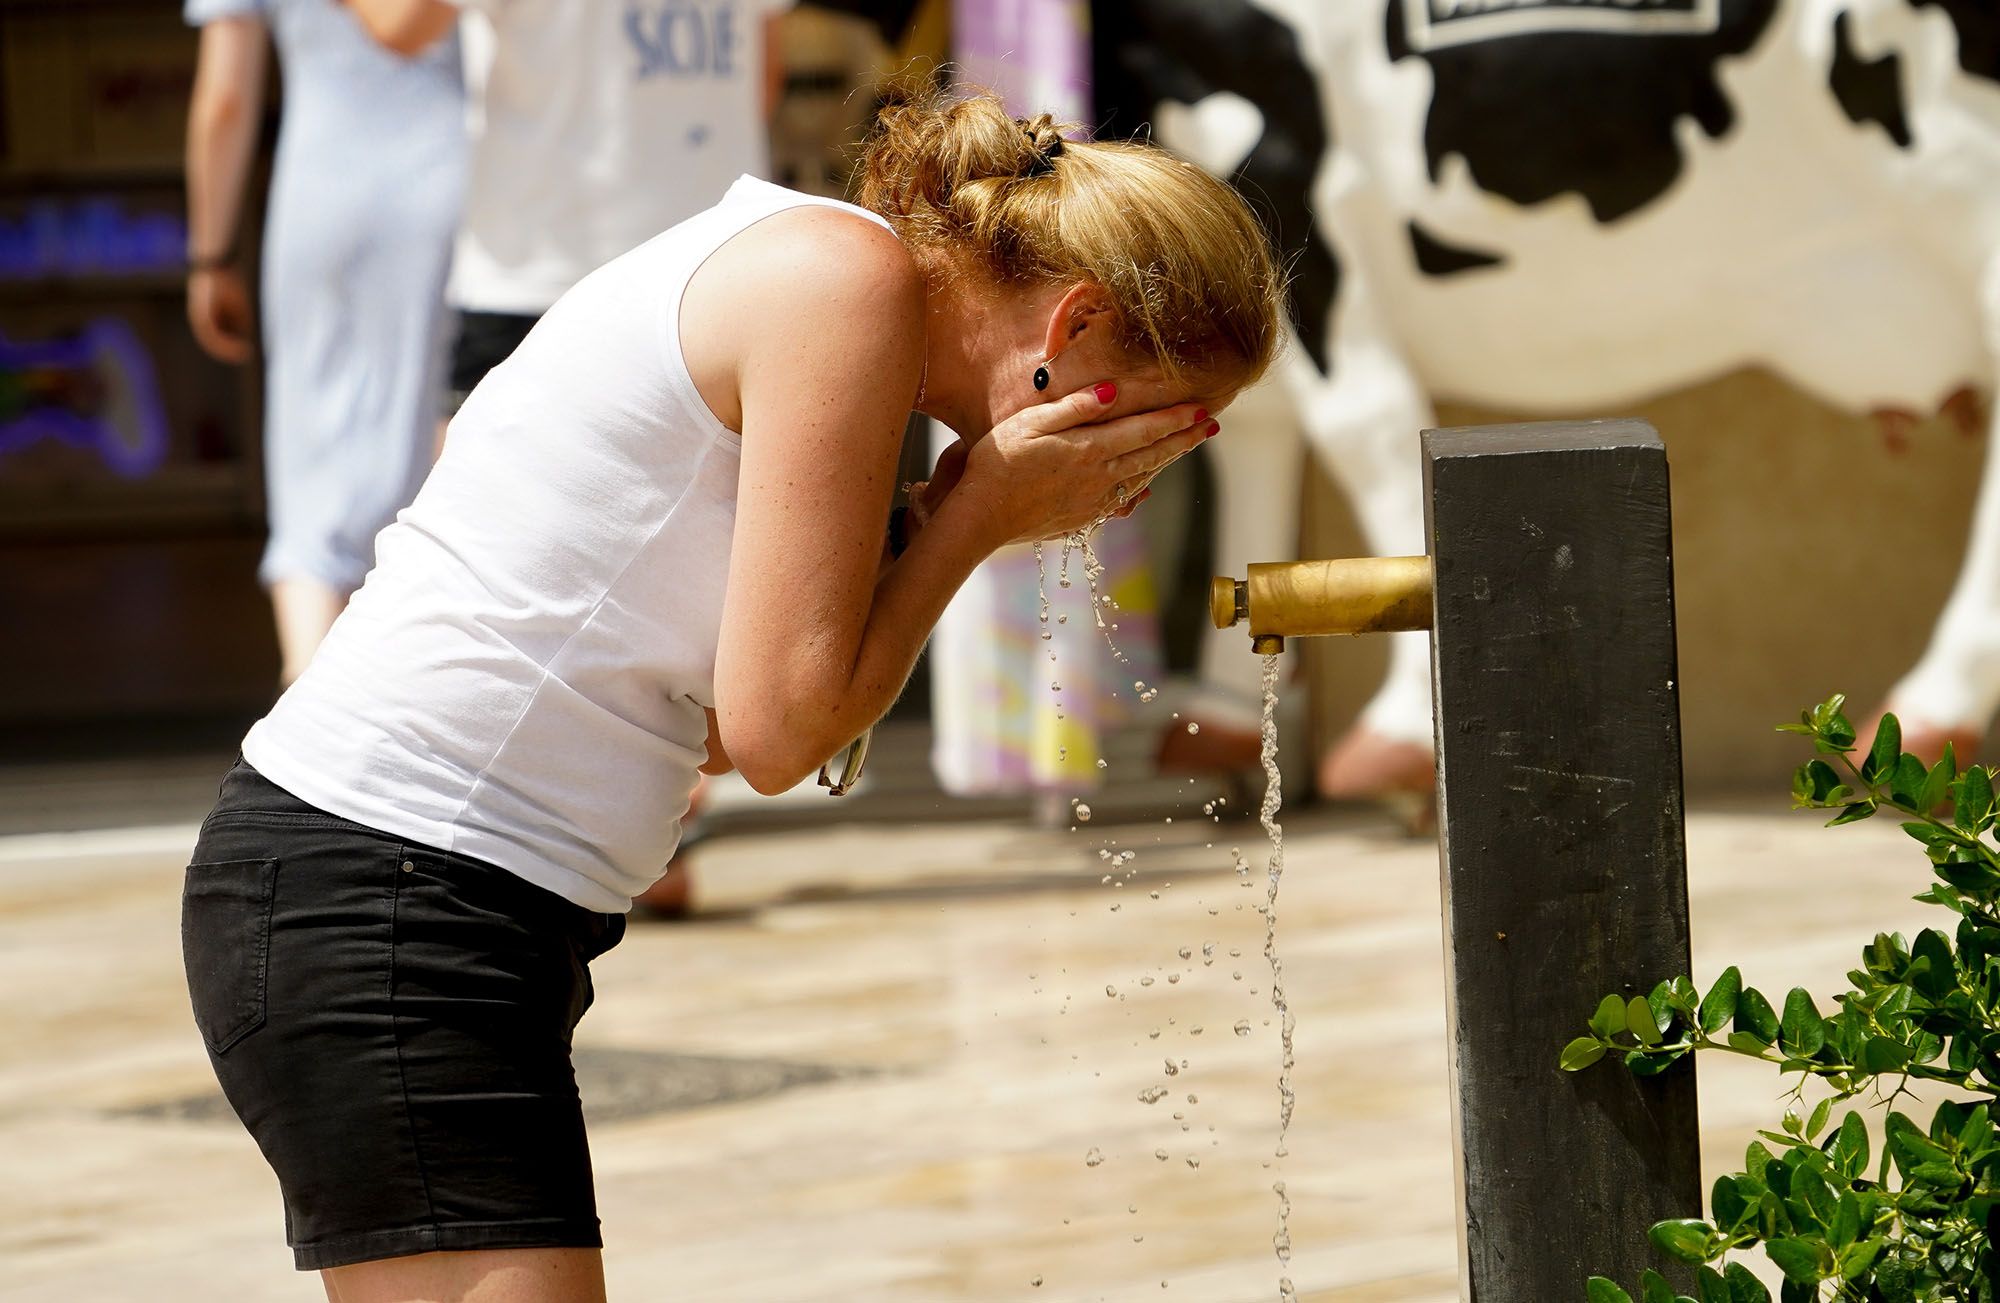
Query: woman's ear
{"points": [[1085, 306]]}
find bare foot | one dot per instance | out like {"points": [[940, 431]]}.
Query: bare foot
{"points": [[1895, 424], [1966, 410], [1366, 766], [1212, 748]]}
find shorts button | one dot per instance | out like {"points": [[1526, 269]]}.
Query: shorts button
{"points": [[409, 867]]}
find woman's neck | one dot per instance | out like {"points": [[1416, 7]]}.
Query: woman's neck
{"points": [[971, 331]]}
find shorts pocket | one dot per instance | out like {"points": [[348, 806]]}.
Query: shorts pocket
{"points": [[226, 944]]}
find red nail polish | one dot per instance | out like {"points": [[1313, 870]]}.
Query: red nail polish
{"points": [[1214, 428], [1106, 391], [1200, 415]]}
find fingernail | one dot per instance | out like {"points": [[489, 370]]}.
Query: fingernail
{"points": [[1143, 495], [1214, 428], [1200, 415], [1105, 392]]}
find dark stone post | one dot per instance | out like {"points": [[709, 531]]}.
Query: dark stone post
{"points": [[1559, 811]]}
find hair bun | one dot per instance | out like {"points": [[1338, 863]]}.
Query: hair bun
{"points": [[1045, 144]]}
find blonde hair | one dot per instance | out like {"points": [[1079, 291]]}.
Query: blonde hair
{"points": [[1189, 267]]}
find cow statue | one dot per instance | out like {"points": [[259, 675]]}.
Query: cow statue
{"points": [[1578, 203]]}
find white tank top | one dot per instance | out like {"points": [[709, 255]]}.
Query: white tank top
{"points": [[522, 677]]}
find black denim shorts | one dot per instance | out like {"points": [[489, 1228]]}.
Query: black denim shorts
{"points": [[392, 1023]]}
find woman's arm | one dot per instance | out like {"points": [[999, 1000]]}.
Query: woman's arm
{"points": [[817, 639], [224, 113], [406, 26]]}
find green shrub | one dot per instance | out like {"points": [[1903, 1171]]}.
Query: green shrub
{"points": [[1917, 1223]]}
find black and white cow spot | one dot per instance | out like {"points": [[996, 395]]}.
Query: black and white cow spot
{"points": [[1152, 52], [1978, 24], [1548, 97], [1868, 90]]}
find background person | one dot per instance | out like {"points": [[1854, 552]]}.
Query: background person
{"points": [[364, 199], [658, 536]]}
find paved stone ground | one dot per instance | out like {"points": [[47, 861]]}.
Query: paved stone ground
{"points": [[872, 1068]]}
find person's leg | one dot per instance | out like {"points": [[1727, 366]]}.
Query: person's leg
{"points": [[472, 1276], [304, 610]]}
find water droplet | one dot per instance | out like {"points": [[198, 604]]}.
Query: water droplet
{"points": [[1109, 989], [1193, 1161], [1184, 952], [1242, 1026], [1194, 1031], [1036, 1281], [1152, 1094], [1193, 727], [1153, 1035], [1145, 981], [1082, 812], [1160, 1154], [1171, 1069], [1173, 978], [1094, 1157], [1196, 1100], [1103, 763]]}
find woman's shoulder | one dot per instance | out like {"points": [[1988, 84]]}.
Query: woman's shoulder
{"points": [[824, 247]]}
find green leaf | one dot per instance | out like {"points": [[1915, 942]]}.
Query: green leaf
{"points": [[1853, 1145], [1744, 1287], [1803, 1029], [1581, 1053], [1853, 812], [1937, 782], [1609, 1019], [1684, 1239], [1720, 1004], [1888, 745], [1756, 1159], [1927, 833], [1728, 1204], [1640, 1022], [1907, 782], [1601, 1290], [1714, 1289], [1798, 1259], [1746, 1042], [1909, 1145], [1811, 1189], [1972, 800], [1845, 1228], [1755, 1016], [1933, 969], [1882, 1055], [1856, 1259], [1817, 1123], [1653, 1288]]}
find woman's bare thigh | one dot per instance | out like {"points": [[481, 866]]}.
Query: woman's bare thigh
{"points": [[473, 1276]]}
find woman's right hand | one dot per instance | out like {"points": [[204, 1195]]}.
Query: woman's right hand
{"points": [[1055, 468], [219, 311]]}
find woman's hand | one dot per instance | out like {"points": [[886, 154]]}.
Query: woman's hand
{"points": [[219, 311], [1058, 467]]}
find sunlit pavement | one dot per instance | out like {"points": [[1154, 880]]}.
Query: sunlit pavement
{"points": [[877, 1063]]}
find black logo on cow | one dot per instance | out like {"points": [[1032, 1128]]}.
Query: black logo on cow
{"points": [[1436, 23], [1541, 111]]}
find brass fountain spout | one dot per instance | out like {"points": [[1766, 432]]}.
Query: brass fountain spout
{"points": [[1297, 599]]}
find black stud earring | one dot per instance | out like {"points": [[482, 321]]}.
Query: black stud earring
{"points": [[1042, 377]]}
